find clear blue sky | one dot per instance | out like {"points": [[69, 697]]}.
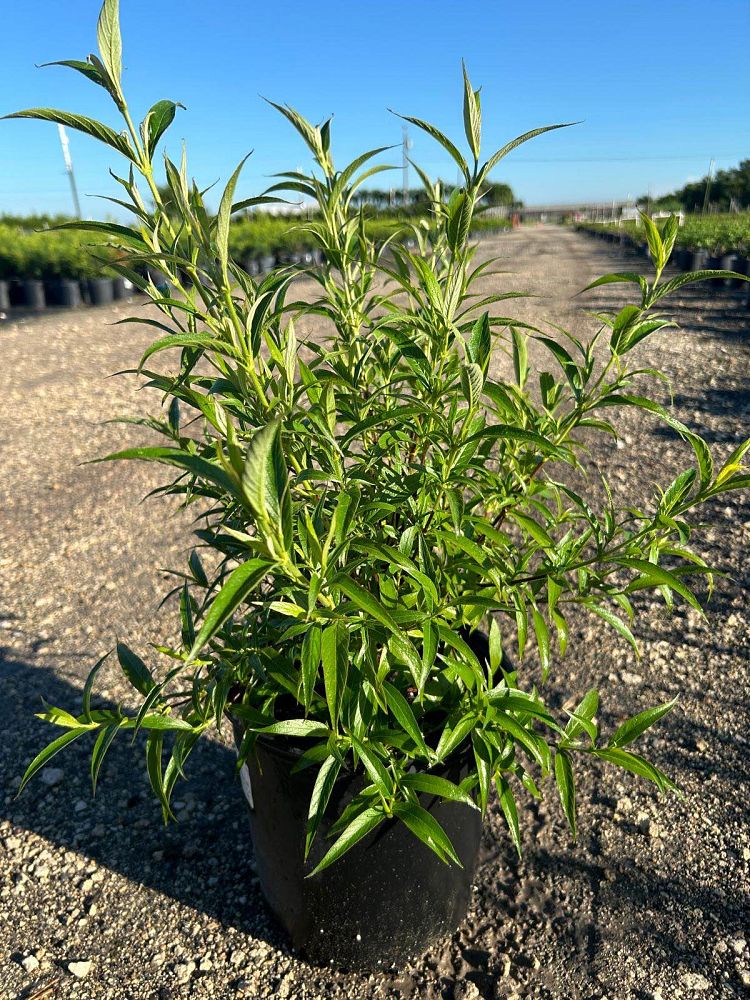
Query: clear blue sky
{"points": [[661, 86]]}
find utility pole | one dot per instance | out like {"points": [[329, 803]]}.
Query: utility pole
{"points": [[69, 168], [405, 147], [708, 186]]}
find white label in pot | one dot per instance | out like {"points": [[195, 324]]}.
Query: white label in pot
{"points": [[247, 785]]}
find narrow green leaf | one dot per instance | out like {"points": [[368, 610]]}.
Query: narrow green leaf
{"points": [[48, 753], [321, 793], [632, 728], [359, 827], [80, 123], [404, 715], [134, 669], [566, 786], [110, 40], [510, 810], [239, 584]]}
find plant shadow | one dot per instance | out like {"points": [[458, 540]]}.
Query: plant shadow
{"points": [[205, 860]]}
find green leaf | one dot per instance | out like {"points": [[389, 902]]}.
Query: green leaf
{"points": [[321, 793], [444, 141], [424, 826], [311, 646], [86, 698], [265, 482], [510, 146], [656, 576], [86, 68], [156, 123], [542, 640], [134, 669], [453, 735], [359, 827], [102, 745], [441, 788], [335, 656], [496, 646], [80, 123], [48, 753], [617, 624], [368, 603], [297, 728], [585, 712], [239, 584], [110, 40], [637, 765], [479, 345], [223, 220], [472, 115], [566, 787], [199, 467], [520, 356], [510, 810], [404, 715], [374, 767], [632, 728]]}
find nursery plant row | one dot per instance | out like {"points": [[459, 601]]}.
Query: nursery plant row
{"points": [[721, 242], [53, 267]]}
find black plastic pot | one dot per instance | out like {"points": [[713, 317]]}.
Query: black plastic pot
{"points": [[697, 260], [101, 291], [740, 267], [4, 296], [267, 262], [252, 266], [33, 293], [63, 292], [121, 288], [388, 899]]}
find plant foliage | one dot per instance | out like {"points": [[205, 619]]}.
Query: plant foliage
{"points": [[371, 498]]}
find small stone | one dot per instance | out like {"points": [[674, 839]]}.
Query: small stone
{"points": [[466, 990], [237, 957], [184, 971], [52, 776], [30, 963], [631, 678], [701, 746], [738, 945], [696, 982], [79, 969], [158, 959], [746, 853], [205, 965], [80, 806]]}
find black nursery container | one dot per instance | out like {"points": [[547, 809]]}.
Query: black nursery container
{"points": [[101, 291], [386, 900], [4, 296], [33, 293], [63, 292], [121, 288]]}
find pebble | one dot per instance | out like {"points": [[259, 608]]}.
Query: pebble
{"points": [[184, 971], [30, 963], [79, 969], [52, 776], [237, 957], [696, 982], [466, 990]]}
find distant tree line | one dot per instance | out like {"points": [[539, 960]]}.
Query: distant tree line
{"points": [[417, 201], [728, 191]]}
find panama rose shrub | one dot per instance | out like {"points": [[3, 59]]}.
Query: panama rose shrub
{"points": [[369, 499]]}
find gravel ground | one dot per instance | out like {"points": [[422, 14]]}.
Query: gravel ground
{"points": [[100, 900]]}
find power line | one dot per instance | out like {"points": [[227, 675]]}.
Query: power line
{"points": [[624, 159]]}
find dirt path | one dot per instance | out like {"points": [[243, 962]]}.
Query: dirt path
{"points": [[650, 903]]}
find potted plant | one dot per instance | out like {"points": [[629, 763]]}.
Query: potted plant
{"points": [[378, 521]]}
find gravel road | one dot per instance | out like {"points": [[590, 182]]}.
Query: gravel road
{"points": [[102, 901]]}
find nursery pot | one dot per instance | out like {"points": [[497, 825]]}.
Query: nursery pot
{"points": [[33, 293], [267, 262], [4, 296], [387, 899], [697, 260], [63, 292], [740, 267], [122, 288], [101, 291]]}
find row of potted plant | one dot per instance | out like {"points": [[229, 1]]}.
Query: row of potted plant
{"points": [[699, 244], [55, 268]]}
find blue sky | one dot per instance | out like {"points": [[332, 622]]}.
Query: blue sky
{"points": [[661, 87]]}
